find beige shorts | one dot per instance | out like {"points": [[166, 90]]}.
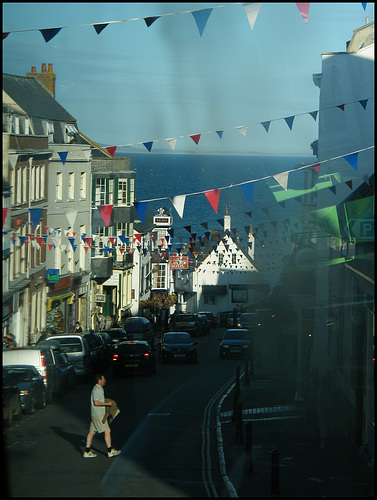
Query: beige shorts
{"points": [[97, 425]]}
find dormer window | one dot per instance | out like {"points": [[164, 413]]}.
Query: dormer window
{"points": [[48, 129], [70, 132]]}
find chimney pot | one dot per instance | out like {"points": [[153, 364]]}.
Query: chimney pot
{"points": [[33, 69], [43, 67], [50, 68]]}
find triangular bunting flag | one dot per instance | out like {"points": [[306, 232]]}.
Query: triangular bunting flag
{"points": [[242, 129], [252, 10], [282, 179], [35, 215], [71, 216], [201, 18], [205, 225], [141, 208], [349, 184], [266, 125], [213, 198], [333, 189], [248, 190], [88, 241], [5, 35], [188, 228], [219, 133], [195, 138], [48, 34], [99, 27], [314, 114], [172, 141], [221, 222], [63, 156], [13, 160], [5, 212], [105, 212], [364, 103], [148, 145], [341, 106], [352, 159], [304, 10], [179, 204], [289, 121], [317, 167], [150, 20], [111, 150]]}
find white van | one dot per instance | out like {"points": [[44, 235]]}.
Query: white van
{"points": [[43, 359]]}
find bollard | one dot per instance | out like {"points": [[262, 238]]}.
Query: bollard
{"points": [[238, 418], [248, 464], [275, 473], [246, 381]]}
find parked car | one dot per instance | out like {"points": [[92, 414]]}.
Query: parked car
{"points": [[97, 351], [77, 349], [206, 325], [139, 328], [133, 356], [43, 358], [116, 334], [178, 346], [248, 321], [235, 343], [11, 400], [107, 345], [211, 318], [189, 323], [31, 387], [67, 371]]}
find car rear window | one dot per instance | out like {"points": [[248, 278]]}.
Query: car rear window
{"points": [[132, 348], [236, 336], [70, 344], [188, 318]]}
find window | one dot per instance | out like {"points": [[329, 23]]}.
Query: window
{"points": [[32, 183], [58, 250], [59, 186], [18, 187], [23, 253], [159, 276], [83, 185], [234, 258], [48, 129], [71, 185], [100, 191], [221, 259], [42, 187], [37, 182], [209, 299], [111, 191], [122, 192], [82, 247], [24, 184]]}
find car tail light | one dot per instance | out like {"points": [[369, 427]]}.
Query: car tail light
{"points": [[115, 357], [146, 355]]}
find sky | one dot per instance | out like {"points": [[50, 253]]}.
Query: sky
{"points": [[133, 84]]}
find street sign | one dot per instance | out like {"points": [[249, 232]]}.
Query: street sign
{"points": [[362, 229], [180, 262]]}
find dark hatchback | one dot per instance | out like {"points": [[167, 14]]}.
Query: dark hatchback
{"points": [[133, 356], [30, 385], [235, 343], [11, 399], [139, 328], [178, 346]]}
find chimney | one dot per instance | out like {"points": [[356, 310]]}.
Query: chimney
{"points": [[46, 78], [227, 219]]}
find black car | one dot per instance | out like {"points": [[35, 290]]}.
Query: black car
{"points": [[133, 356], [67, 371], [211, 318], [11, 399], [97, 351], [235, 343], [116, 334], [30, 384], [205, 322], [139, 328], [178, 346]]}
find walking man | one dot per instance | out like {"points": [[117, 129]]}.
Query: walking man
{"points": [[98, 409]]}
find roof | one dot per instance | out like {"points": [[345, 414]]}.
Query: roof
{"points": [[34, 99]]}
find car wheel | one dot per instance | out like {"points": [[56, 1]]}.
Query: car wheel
{"points": [[42, 403]]}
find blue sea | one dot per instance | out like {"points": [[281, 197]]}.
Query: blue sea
{"points": [[160, 175]]}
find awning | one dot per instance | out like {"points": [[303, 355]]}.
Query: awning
{"points": [[112, 281], [214, 290], [50, 300]]}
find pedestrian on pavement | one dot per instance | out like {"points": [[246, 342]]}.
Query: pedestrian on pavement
{"points": [[78, 328], [325, 407], [98, 408], [101, 322]]}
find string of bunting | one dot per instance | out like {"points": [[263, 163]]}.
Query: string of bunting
{"points": [[201, 17]]}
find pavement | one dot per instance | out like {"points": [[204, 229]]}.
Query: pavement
{"points": [[271, 452]]}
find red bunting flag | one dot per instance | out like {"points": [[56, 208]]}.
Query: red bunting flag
{"points": [[195, 138], [105, 212], [213, 198], [111, 150]]}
